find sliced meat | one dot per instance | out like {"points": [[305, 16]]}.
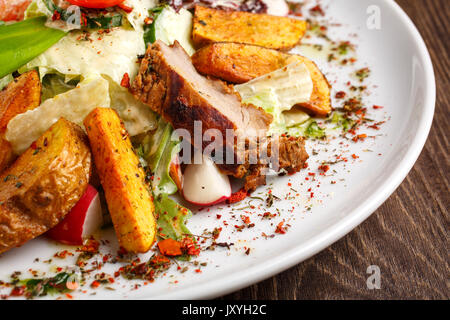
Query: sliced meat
{"points": [[170, 85]]}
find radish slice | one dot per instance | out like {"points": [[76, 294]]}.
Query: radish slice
{"points": [[83, 220], [204, 184]]}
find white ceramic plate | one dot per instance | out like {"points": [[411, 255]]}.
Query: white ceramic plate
{"points": [[402, 81]]}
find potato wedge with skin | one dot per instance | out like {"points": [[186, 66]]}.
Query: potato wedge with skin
{"points": [[212, 25], [43, 184], [129, 200], [239, 63], [21, 95]]}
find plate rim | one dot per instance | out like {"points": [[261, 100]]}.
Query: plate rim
{"points": [[257, 273]]}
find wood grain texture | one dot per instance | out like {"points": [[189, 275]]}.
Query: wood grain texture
{"points": [[407, 237]]}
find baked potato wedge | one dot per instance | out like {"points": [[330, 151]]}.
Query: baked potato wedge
{"points": [[21, 95], [239, 63], [213, 25], [43, 184], [129, 200]]}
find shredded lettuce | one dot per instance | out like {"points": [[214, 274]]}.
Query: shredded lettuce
{"points": [[168, 26], [55, 84], [277, 93], [74, 105], [341, 121], [314, 131], [158, 150], [5, 81]]}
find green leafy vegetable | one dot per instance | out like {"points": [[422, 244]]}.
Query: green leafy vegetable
{"points": [[45, 286], [314, 131], [171, 218], [54, 84], [149, 30], [102, 21], [158, 151], [22, 41], [341, 121]]}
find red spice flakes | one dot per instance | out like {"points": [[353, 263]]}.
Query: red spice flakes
{"points": [[170, 247], [377, 107], [324, 167], [198, 270], [95, 284], [17, 291], [90, 246], [122, 252], [238, 196], [354, 156], [268, 215], [189, 245], [63, 254], [317, 10], [216, 233], [280, 228], [245, 219], [340, 95], [125, 8], [377, 125], [125, 81], [56, 16], [218, 216], [360, 137]]}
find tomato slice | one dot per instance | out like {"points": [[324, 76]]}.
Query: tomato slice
{"points": [[96, 4]]}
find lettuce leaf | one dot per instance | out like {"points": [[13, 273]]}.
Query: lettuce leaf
{"points": [[168, 26], [171, 218], [6, 80], [55, 84], [158, 150]]}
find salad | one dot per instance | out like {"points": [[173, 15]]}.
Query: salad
{"points": [[129, 113]]}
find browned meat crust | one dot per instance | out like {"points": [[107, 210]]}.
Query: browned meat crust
{"points": [[170, 85]]}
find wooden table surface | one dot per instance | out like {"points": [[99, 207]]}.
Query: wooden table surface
{"points": [[407, 236]]}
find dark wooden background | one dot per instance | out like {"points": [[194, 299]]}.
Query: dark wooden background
{"points": [[407, 236]]}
